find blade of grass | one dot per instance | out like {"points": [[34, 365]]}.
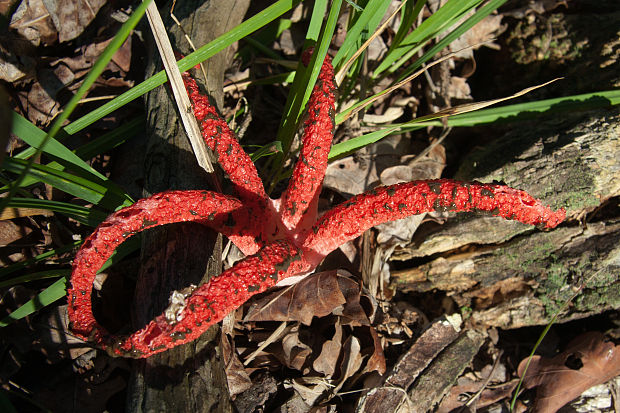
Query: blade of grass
{"points": [[344, 70], [516, 112], [126, 248], [545, 331], [409, 16], [529, 110], [111, 139], [303, 84], [58, 289], [294, 100], [89, 150], [35, 137], [86, 216], [455, 34], [203, 53], [36, 276], [434, 25], [89, 80], [266, 150], [353, 109], [52, 293], [344, 148], [5, 403], [349, 46], [106, 197], [39, 258]]}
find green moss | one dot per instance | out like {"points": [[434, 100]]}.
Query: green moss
{"points": [[559, 281], [546, 40]]}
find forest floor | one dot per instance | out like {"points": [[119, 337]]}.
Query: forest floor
{"points": [[432, 333]]}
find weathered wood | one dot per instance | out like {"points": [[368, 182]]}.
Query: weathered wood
{"points": [[512, 275], [188, 378], [392, 395]]}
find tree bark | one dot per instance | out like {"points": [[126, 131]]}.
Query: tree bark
{"points": [[510, 275], [188, 378]]}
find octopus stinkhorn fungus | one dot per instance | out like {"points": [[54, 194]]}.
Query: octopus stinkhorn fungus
{"points": [[281, 237]]}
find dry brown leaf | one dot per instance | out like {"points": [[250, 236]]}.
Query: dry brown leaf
{"points": [[39, 105], [295, 352], [317, 295], [459, 395], [10, 232], [484, 31], [355, 174], [376, 362], [18, 57], [352, 361], [587, 361], [33, 22], [309, 389], [71, 17], [325, 363], [55, 339], [237, 377]]}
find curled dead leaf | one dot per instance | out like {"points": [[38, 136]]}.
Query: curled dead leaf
{"points": [[588, 360], [318, 295]]}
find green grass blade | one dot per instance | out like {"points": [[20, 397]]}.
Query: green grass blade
{"points": [[99, 66], [34, 137], [5, 404], [95, 147], [86, 216], [52, 293], [38, 259], [108, 197], [530, 110], [111, 139], [73, 160], [375, 8], [252, 24], [89, 80], [266, 150], [126, 248], [351, 145], [294, 101], [439, 21], [303, 84], [409, 14], [508, 113], [456, 33], [36, 276], [58, 289]]}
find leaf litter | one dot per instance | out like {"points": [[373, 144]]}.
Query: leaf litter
{"points": [[344, 353]]}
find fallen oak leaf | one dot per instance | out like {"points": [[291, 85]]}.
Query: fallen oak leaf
{"points": [[588, 360], [314, 296], [325, 363]]}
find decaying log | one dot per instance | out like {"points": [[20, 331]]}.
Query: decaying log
{"points": [[188, 378], [512, 275]]}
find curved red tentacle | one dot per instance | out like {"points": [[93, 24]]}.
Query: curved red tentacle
{"points": [[300, 199], [202, 306], [222, 141], [215, 210], [350, 219]]}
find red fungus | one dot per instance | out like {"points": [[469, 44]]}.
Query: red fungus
{"points": [[279, 233]]}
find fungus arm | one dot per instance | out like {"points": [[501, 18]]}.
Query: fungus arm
{"points": [[300, 199], [202, 307], [212, 209], [350, 219], [222, 141]]}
